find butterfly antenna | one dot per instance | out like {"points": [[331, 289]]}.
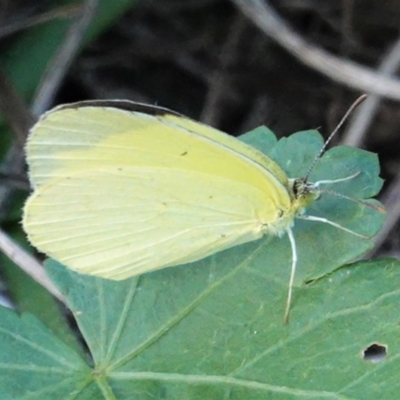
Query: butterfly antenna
{"points": [[339, 125]]}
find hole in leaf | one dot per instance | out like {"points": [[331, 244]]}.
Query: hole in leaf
{"points": [[375, 353]]}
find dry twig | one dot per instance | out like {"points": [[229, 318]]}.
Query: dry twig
{"points": [[27, 263], [59, 65], [346, 72], [364, 115], [60, 12]]}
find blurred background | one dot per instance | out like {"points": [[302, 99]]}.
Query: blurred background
{"points": [[290, 65]]}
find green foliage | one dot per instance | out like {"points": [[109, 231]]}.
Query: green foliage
{"points": [[213, 329]]}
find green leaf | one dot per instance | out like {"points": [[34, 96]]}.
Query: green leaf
{"points": [[321, 248], [28, 296], [261, 138], [182, 333], [213, 329], [34, 360]]}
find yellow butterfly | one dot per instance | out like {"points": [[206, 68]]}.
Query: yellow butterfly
{"points": [[122, 188]]}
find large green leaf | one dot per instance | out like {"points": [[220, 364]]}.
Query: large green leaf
{"points": [[181, 334], [213, 329]]}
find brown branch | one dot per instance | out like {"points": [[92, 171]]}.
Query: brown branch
{"points": [[345, 72], [59, 65], [60, 12], [363, 116], [27, 263]]}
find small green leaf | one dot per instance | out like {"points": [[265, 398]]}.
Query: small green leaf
{"points": [[321, 248], [261, 138]]}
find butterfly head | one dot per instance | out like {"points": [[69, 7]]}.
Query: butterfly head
{"points": [[304, 194]]}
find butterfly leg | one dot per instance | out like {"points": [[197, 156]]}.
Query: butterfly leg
{"points": [[327, 221], [316, 184], [292, 274]]}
